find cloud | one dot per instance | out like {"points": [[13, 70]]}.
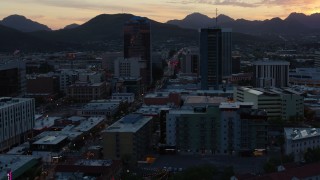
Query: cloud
{"points": [[85, 5], [250, 4], [238, 3]]}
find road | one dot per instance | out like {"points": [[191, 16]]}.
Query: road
{"points": [[240, 164]]}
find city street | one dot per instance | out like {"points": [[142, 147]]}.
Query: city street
{"points": [[240, 164]]}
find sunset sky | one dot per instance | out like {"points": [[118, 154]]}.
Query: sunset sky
{"points": [[58, 13]]}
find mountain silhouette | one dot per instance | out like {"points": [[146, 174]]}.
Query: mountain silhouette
{"points": [[105, 33], [295, 23], [12, 39], [23, 24], [71, 26]]}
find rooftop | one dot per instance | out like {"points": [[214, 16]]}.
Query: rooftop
{"points": [[44, 122], [85, 162], [301, 133], [122, 94], [271, 62], [234, 105], [130, 123], [8, 101], [101, 105], [89, 124], [192, 100], [17, 163], [51, 140], [70, 134]]}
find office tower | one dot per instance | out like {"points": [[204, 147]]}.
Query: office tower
{"points": [[236, 64], [190, 64], [16, 120], [137, 44], [12, 78], [215, 56], [269, 73], [317, 59]]}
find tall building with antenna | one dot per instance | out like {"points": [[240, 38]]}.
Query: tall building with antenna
{"points": [[215, 56], [137, 44]]}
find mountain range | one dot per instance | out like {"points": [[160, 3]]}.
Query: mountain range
{"points": [[23, 24], [293, 24], [105, 32]]}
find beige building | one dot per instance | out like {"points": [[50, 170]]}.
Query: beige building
{"points": [[130, 137], [284, 103]]}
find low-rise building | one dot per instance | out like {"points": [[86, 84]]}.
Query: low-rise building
{"points": [[15, 166], [129, 97], [84, 168], [224, 128], [299, 140], [100, 108], [44, 86], [305, 76], [129, 136], [284, 103], [163, 98], [85, 92]]}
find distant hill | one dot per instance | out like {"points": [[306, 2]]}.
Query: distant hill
{"points": [[105, 33], [23, 24], [312, 21], [12, 40], [198, 20], [71, 26], [295, 23]]}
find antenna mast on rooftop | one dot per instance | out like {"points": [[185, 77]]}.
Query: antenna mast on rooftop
{"points": [[216, 17]]}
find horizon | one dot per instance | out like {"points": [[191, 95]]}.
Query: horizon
{"points": [[58, 14], [150, 18]]}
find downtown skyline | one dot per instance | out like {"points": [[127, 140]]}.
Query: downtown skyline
{"points": [[59, 13]]}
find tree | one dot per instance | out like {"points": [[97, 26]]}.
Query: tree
{"points": [[312, 155], [201, 173], [269, 167]]}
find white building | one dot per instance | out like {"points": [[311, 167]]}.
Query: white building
{"points": [[129, 97], [298, 140], [268, 73], [16, 120], [128, 67], [67, 77], [92, 77]]}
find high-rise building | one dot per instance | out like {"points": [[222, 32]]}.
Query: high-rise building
{"points": [[215, 56], [236, 65], [191, 62], [317, 59], [137, 43], [16, 120], [268, 73], [12, 78]]}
